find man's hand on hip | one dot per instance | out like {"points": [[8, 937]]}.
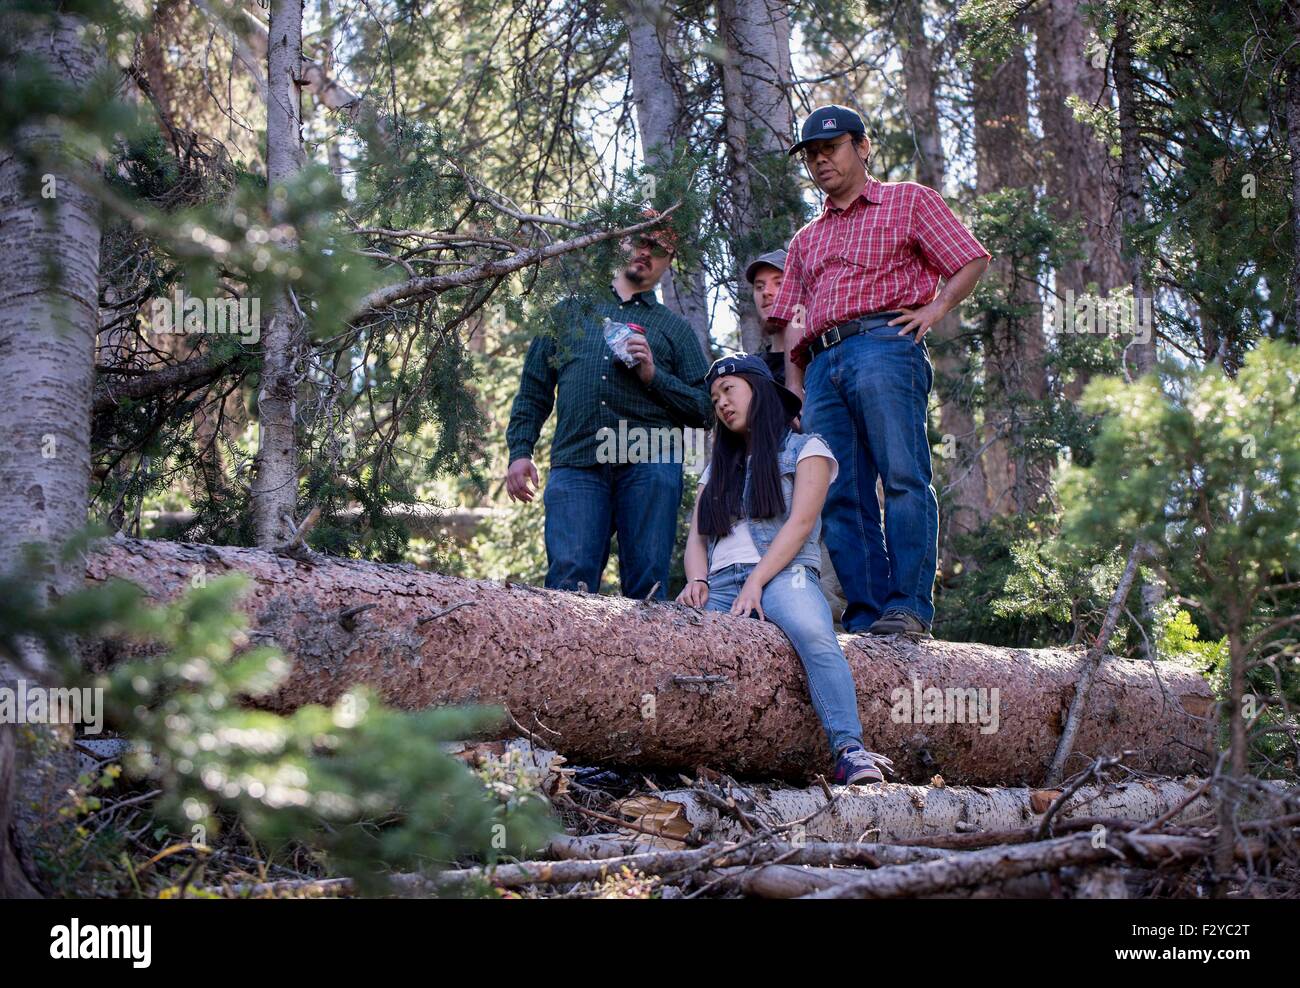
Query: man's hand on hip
{"points": [[517, 478], [919, 321]]}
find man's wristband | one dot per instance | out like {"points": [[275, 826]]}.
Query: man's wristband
{"points": [[698, 580]]}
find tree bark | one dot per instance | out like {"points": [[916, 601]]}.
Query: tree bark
{"points": [[568, 870], [757, 80], [1002, 864], [275, 480], [784, 881], [1078, 172], [1014, 343], [656, 91], [47, 351], [1293, 145], [1140, 357], [153, 58], [899, 813], [604, 673], [738, 170], [317, 78]]}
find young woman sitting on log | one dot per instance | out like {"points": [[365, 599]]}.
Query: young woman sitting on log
{"points": [[753, 545]]}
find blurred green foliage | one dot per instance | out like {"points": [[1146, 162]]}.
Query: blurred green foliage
{"points": [[367, 788]]}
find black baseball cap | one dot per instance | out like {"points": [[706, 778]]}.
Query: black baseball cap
{"points": [[749, 363], [830, 121], [773, 258]]}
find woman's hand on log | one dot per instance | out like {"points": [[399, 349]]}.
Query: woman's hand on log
{"points": [[694, 594], [749, 599]]}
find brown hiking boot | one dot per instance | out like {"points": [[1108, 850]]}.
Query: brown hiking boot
{"points": [[897, 621]]}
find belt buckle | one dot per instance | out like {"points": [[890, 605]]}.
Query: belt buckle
{"points": [[826, 345]]}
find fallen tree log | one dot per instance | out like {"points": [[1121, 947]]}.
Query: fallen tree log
{"points": [[598, 847], [782, 881], [901, 813], [1003, 864], [659, 685], [1000, 864], [422, 521], [568, 871]]}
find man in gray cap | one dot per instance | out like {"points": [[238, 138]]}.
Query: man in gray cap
{"points": [[764, 276]]}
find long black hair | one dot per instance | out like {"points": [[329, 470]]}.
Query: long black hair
{"points": [[768, 422]]}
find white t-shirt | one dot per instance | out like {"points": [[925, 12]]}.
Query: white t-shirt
{"points": [[738, 546]]}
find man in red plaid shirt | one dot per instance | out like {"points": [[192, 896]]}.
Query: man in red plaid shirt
{"points": [[861, 290]]}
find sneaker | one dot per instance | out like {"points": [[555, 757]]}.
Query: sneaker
{"points": [[857, 766], [897, 621]]}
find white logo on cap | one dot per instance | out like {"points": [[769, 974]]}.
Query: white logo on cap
{"points": [[828, 123]]}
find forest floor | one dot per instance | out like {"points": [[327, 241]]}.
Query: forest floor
{"points": [[622, 838]]}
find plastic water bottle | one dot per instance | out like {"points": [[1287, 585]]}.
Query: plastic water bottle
{"points": [[617, 335]]}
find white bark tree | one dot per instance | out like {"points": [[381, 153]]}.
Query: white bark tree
{"points": [[275, 481], [47, 349]]}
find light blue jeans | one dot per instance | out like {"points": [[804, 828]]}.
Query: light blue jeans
{"points": [[793, 601]]}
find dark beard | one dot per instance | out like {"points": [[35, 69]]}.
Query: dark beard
{"points": [[635, 275]]}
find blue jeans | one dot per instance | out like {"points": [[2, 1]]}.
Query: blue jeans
{"points": [[793, 601], [585, 506], [868, 397]]}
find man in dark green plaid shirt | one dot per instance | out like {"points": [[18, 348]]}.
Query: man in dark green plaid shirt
{"points": [[596, 394]]}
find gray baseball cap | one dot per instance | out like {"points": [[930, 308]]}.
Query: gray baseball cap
{"points": [[773, 258]]}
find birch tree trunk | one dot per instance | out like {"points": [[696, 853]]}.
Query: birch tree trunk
{"points": [[47, 349], [904, 813], [656, 91], [275, 481], [965, 488], [318, 78]]}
